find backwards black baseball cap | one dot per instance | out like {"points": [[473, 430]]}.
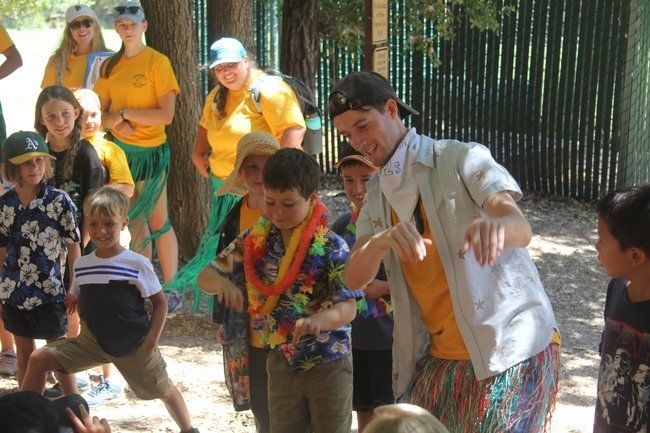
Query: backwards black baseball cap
{"points": [[363, 88]]}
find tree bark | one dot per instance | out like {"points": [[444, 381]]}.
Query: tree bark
{"points": [[299, 40], [171, 31], [231, 18]]}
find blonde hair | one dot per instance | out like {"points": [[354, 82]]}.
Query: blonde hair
{"points": [[11, 171], [69, 46], [404, 418], [89, 95], [106, 202]]}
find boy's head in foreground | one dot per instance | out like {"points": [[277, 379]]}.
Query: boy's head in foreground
{"points": [[355, 170], [105, 216], [404, 418], [290, 187], [624, 230]]}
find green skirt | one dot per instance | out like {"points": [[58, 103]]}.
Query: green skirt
{"points": [[151, 166], [186, 277]]}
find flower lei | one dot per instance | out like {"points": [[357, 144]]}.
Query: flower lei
{"points": [[289, 266]]}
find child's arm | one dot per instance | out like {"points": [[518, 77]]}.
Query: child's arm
{"points": [[333, 318], [376, 289], [212, 282], [3, 259], [71, 299], [158, 316]]}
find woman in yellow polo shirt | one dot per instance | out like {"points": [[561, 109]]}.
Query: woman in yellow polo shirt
{"points": [[137, 89], [82, 42], [229, 113]]}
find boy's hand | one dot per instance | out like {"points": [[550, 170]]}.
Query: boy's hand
{"points": [[306, 325], [231, 297], [486, 237], [71, 301], [405, 241], [85, 424], [220, 337], [150, 342], [376, 289]]}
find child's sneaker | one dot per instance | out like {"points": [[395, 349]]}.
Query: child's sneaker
{"points": [[174, 302], [83, 382], [105, 392], [8, 362]]}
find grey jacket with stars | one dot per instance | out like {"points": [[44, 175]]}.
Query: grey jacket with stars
{"points": [[502, 311]]}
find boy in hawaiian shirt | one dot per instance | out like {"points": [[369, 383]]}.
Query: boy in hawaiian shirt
{"points": [[297, 299]]}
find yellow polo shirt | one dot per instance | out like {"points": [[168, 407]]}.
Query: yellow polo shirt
{"points": [[5, 40], [72, 76], [280, 111], [114, 159], [137, 83]]}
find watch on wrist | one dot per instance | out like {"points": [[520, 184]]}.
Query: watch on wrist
{"points": [[122, 111]]}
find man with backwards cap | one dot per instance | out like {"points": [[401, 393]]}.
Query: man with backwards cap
{"points": [[475, 338]]}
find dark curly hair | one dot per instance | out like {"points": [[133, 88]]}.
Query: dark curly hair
{"points": [[626, 212]]}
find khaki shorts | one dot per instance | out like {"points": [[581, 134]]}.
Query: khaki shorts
{"points": [[145, 371]]}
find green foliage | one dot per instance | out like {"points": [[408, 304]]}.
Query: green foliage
{"points": [[49, 13], [343, 21]]}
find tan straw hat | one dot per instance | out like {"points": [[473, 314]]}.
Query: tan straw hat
{"points": [[253, 143]]}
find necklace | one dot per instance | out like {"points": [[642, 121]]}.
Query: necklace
{"points": [[289, 266]]}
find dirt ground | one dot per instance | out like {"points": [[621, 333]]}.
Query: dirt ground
{"points": [[564, 253]]}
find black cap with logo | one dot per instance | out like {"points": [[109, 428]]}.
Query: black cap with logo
{"points": [[363, 88], [22, 146]]}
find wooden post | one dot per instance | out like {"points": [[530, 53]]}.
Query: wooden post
{"points": [[375, 49]]}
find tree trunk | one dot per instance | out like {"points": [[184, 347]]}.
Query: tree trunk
{"points": [[299, 40], [232, 18], [171, 31]]}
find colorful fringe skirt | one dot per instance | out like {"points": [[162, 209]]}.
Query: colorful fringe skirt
{"points": [[186, 277], [151, 166], [519, 400]]}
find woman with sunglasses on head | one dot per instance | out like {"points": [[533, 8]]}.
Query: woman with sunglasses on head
{"points": [[229, 113], [137, 89], [82, 47]]}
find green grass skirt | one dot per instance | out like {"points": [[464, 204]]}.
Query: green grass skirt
{"points": [[185, 278], [151, 166]]}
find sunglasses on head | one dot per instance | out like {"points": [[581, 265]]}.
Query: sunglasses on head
{"points": [[339, 103], [76, 25], [131, 9]]}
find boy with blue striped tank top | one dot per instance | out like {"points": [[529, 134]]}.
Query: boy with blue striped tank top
{"points": [[110, 287]]}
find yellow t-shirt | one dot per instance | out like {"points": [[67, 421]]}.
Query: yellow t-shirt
{"points": [[248, 217], [114, 159], [5, 40], [137, 83], [280, 111], [429, 287], [72, 76]]}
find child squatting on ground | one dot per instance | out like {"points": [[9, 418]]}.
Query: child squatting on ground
{"points": [[372, 329], [38, 229], [244, 356], [109, 287], [623, 246], [289, 268]]}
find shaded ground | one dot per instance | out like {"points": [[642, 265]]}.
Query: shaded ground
{"points": [[563, 251]]}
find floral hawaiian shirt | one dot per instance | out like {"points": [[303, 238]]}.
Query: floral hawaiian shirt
{"points": [[36, 238], [319, 285]]}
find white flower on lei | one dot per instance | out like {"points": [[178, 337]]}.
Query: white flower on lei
{"points": [[7, 214], [32, 303], [29, 274], [7, 287]]}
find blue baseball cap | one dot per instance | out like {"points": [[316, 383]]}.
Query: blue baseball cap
{"points": [[226, 50], [130, 10]]}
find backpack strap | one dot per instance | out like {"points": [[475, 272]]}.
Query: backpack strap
{"points": [[256, 89]]}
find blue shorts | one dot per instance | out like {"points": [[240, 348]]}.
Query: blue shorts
{"points": [[45, 322]]}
